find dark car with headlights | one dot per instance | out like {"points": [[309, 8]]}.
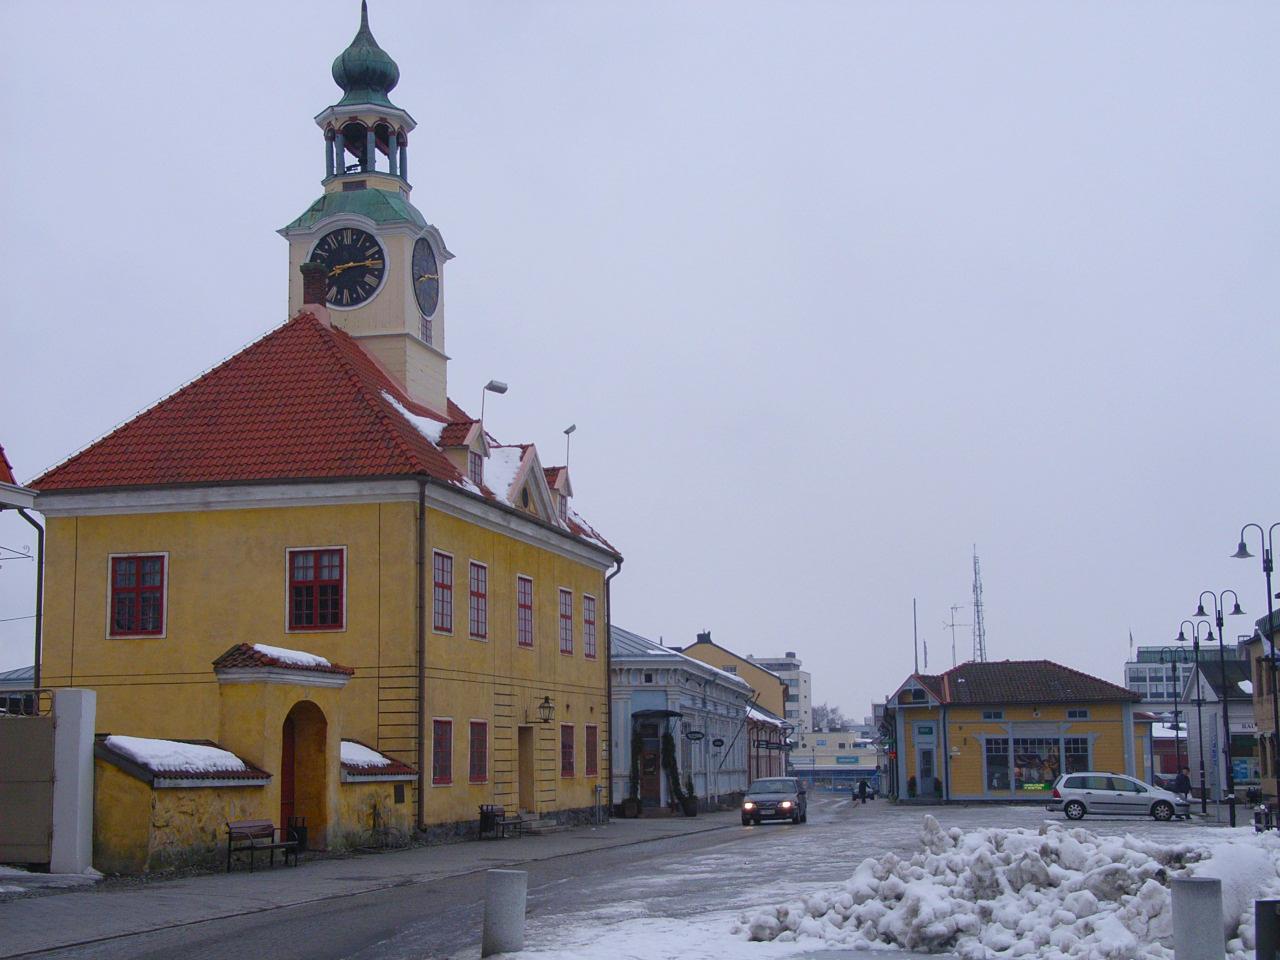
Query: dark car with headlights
{"points": [[775, 798]]}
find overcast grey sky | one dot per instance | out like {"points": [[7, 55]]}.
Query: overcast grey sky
{"points": [[833, 291]]}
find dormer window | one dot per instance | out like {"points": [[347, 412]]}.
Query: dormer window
{"points": [[475, 467], [562, 508]]}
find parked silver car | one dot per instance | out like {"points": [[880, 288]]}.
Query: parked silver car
{"points": [[1111, 794], [775, 798]]}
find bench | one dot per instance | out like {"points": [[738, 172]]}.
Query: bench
{"points": [[495, 821], [253, 835]]}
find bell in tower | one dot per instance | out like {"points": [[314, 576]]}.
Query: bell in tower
{"points": [[383, 262]]}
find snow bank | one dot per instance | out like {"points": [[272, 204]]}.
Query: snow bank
{"points": [[1059, 892], [297, 657], [173, 755], [358, 755]]}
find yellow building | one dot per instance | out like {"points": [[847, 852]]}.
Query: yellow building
{"points": [[319, 496], [769, 688], [1258, 651], [1005, 730]]}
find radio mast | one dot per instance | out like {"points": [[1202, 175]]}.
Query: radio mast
{"points": [[979, 621]]}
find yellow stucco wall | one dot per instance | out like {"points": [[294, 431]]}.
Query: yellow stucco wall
{"points": [[370, 816], [965, 730], [771, 691], [227, 583]]}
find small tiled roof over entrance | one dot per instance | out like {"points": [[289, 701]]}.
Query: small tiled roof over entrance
{"points": [[152, 759], [1026, 681], [6, 469], [362, 760], [248, 655]]}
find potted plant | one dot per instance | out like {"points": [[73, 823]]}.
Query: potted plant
{"points": [[631, 805], [911, 786]]}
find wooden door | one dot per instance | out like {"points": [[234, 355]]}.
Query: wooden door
{"points": [[287, 742], [650, 765]]}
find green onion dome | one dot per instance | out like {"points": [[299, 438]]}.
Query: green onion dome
{"points": [[364, 71]]}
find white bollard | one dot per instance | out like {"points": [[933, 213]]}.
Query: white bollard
{"points": [[1197, 919], [504, 899]]}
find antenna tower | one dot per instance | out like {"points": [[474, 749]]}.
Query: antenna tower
{"points": [[979, 621]]}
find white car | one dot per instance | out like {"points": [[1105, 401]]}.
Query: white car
{"points": [[1111, 794]]}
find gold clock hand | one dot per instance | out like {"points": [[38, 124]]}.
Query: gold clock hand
{"points": [[428, 276]]}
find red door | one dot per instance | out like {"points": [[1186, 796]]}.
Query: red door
{"points": [[286, 772]]}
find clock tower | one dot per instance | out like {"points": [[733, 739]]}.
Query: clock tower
{"points": [[383, 262]]}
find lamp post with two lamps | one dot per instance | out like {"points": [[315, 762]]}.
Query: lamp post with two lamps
{"points": [[1195, 646], [1171, 656], [1268, 538], [1219, 601]]}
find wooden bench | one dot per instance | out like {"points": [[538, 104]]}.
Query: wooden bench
{"points": [[495, 821], [253, 835]]}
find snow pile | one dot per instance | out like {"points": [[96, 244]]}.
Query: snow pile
{"points": [[1057, 893], [358, 755], [298, 658], [174, 755]]}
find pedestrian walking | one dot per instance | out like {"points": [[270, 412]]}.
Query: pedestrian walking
{"points": [[1182, 785], [862, 790]]}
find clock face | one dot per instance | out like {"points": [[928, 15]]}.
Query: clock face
{"points": [[426, 277], [356, 265]]}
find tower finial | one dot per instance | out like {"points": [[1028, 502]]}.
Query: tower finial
{"points": [[364, 71]]}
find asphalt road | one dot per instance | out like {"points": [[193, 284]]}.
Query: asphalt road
{"points": [[441, 919]]}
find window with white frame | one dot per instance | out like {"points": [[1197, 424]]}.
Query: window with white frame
{"points": [[566, 621], [524, 611], [137, 595], [442, 591], [588, 626], [478, 601]]}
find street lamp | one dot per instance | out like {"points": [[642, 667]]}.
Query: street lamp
{"points": [[1219, 601], [1195, 644], [1268, 539], [493, 386], [1173, 658]]}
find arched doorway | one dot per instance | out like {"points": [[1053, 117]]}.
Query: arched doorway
{"points": [[304, 770]]}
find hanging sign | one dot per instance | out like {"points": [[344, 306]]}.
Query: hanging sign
{"points": [[718, 742]]}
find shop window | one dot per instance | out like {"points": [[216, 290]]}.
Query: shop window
{"points": [[442, 591], [997, 756], [524, 611], [137, 595], [315, 589], [442, 751], [1036, 763], [1076, 753]]}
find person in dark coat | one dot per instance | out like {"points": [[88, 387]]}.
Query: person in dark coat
{"points": [[862, 790], [1182, 783]]}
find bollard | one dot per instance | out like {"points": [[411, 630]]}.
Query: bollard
{"points": [[1197, 919], [1266, 926], [504, 898]]}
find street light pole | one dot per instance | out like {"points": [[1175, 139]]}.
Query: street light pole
{"points": [[1173, 672], [1195, 644], [1268, 538], [1219, 601]]}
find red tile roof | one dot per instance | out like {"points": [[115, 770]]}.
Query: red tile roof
{"points": [[552, 475], [394, 768], [103, 749], [244, 655], [6, 469], [1024, 681], [304, 402]]}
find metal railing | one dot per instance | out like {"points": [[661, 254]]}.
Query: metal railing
{"points": [[15, 704]]}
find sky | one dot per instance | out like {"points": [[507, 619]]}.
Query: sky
{"points": [[833, 291]]}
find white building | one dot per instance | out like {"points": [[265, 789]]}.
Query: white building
{"points": [[658, 690], [1209, 730], [799, 706]]}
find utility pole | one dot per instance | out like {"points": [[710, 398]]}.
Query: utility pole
{"points": [[915, 635], [952, 625]]}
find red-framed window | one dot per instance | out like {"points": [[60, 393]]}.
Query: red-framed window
{"points": [[442, 751], [566, 621], [479, 751], [591, 747], [588, 626], [315, 589], [478, 601], [442, 591], [137, 595], [566, 749], [475, 467], [524, 611]]}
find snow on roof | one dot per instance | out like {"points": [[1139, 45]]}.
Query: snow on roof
{"points": [[429, 428], [502, 469], [175, 756], [761, 717], [358, 755], [1246, 686], [629, 644], [1166, 731], [297, 658]]}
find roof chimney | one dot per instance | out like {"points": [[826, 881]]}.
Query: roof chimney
{"points": [[704, 637], [315, 290]]}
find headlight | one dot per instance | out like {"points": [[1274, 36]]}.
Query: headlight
{"points": [[748, 805], [785, 804]]}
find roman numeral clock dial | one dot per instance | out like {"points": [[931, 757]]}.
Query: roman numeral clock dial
{"points": [[356, 265]]}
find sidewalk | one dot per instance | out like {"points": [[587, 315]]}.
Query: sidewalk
{"points": [[69, 919]]}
